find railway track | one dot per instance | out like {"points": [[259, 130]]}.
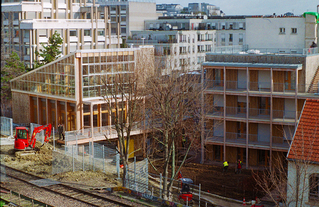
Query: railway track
{"points": [[86, 197]]}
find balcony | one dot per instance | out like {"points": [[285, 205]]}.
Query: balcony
{"points": [[262, 88], [254, 140], [255, 114]]}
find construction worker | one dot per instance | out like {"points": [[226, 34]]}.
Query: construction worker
{"points": [[225, 166], [239, 166], [60, 131]]}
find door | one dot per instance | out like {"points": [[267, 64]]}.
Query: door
{"points": [[241, 128]]}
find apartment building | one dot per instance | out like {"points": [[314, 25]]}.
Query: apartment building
{"points": [[285, 34], [206, 8], [182, 42], [129, 15], [82, 25], [257, 100], [176, 50]]}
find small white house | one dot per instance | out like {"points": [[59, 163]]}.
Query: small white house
{"points": [[303, 159]]}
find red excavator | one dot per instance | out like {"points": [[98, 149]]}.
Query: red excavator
{"points": [[23, 141], [186, 192]]}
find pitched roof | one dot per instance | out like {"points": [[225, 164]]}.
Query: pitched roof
{"points": [[305, 145]]}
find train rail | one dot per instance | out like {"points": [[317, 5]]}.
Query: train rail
{"points": [[70, 192]]}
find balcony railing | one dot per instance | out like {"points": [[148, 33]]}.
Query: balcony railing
{"points": [[254, 140], [254, 113], [263, 87]]}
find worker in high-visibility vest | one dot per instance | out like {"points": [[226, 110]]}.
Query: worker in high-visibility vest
{"points": [[225, 166]]}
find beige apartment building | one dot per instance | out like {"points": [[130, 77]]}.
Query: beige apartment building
{"points": [[257, 100]]}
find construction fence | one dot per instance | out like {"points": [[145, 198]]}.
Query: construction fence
{"points": [[91, 156], [6, 126]]}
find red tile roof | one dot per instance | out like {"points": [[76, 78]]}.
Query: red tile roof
{"points": [[305, 145]]}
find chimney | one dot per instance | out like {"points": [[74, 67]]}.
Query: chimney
{"points": [[318, 8]]}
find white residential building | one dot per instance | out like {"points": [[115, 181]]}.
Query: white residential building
{"points": [[130, 15], [82, 25]]}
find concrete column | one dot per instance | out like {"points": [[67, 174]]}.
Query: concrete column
{"points": [[247, 116], [202, 118], [38, 111], [47, 111], [106, 24], [91, 118], [66, 116], [56, 114], [296, 99], [271, 113], [224, 154]]}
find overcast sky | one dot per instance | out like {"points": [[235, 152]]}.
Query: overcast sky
{"points": [[254, 7]]}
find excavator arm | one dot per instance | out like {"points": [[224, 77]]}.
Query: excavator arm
{"points": [[38, 130]]}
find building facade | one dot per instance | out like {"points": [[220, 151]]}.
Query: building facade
{"points": [[69, 90], [129, 15], [257, 100], [82, 25], [303, 159]]}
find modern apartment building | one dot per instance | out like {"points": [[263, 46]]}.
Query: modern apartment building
{"points": [[257, 100], [177, 50], [129, 15], [206, 8], [182, 42], [82, 25]]}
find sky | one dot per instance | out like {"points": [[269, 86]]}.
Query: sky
{"points": [[254, 7]]}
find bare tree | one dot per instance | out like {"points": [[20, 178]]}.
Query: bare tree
{"points": [[124, 96], [174, 118], [288, 182]]}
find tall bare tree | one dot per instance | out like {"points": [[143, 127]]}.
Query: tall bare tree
{"points": [[174, 117], [124, 96]]}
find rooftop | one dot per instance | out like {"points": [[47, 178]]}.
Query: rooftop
{"points": [[254, 65], [305, 145]]}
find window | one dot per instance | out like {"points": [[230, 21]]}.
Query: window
{"points": [[241, 39], [100, 32], [230, 37], [282, 30], [223, 25], [293, 30], [73, 33], [87, 32], [223, 37], [314, 186], [123, 19]]}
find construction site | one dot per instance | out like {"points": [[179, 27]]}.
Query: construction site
{"points": [[93, 166]]}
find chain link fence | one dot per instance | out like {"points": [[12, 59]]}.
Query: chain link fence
{"points": [[6, 126], [91, 156], [137, 176]]}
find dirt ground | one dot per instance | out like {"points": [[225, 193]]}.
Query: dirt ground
{"points": [[212, 180], [40, 164]]}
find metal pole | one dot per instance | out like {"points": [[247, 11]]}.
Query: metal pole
{"points": [[83, 159], [76, 144], [103, 158], [73, 157], [93, 156], [89, 154], [11, 128], [117, 158], [53, 140], [135, 173], [161, 185], [199, 195]]}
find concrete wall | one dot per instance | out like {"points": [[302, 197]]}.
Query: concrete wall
{"points": [[20, 108], [264, 32], [312, 64], [303, 175], [138, 13]]}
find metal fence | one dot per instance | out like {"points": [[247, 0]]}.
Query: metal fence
{"points": [[92, 156], [6, 126], [137, 176]]}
